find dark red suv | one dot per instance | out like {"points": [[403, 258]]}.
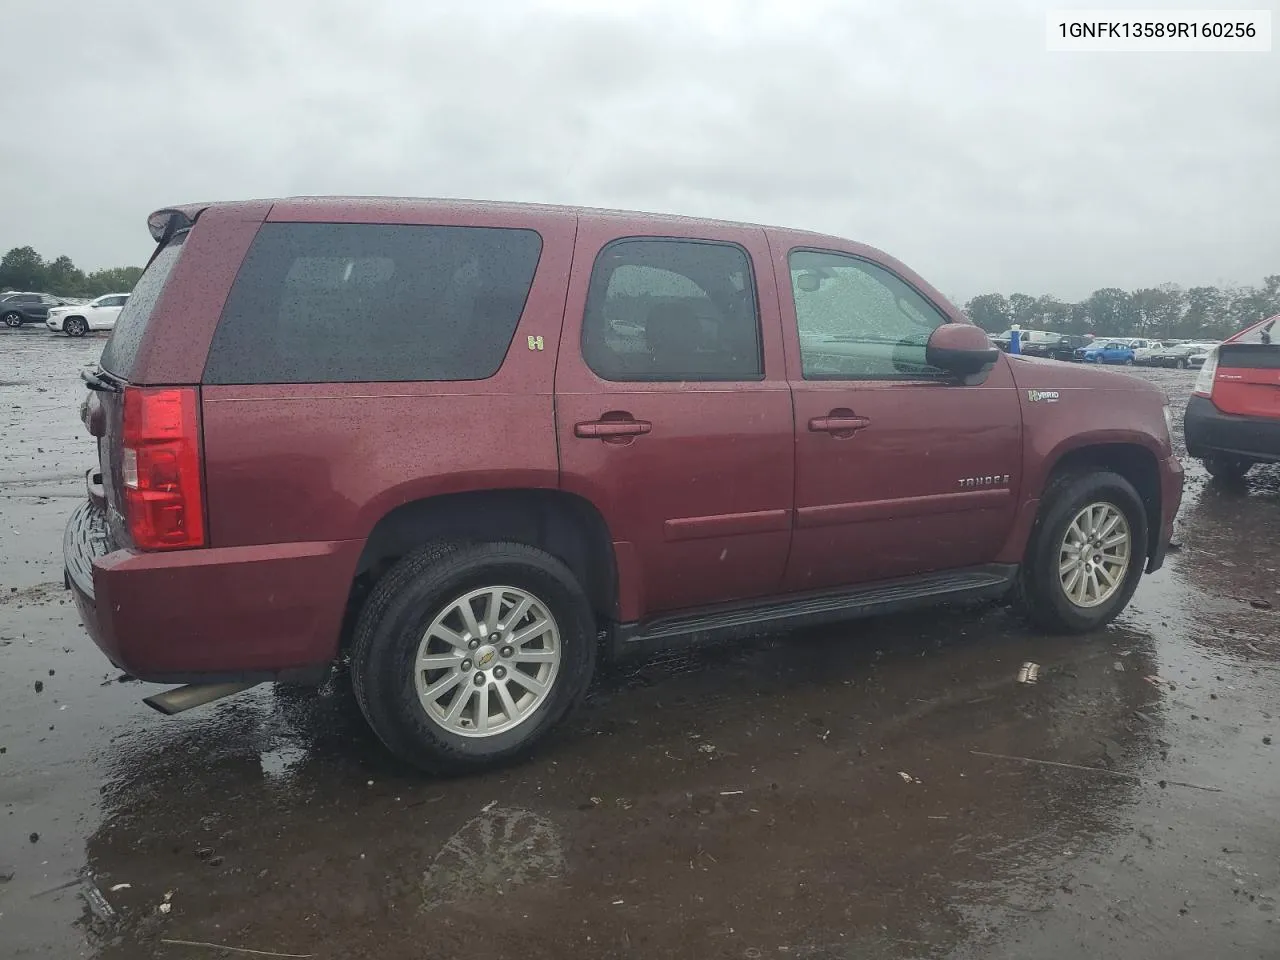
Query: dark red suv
{"points": [[466, 444]]}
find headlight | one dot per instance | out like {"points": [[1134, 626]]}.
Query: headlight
{"points": [[1168, 421]]}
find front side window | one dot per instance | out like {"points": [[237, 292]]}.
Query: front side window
{"points": [[672, 310], [858, 321]]}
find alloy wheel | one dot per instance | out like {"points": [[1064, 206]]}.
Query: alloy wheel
{"points": [[488, 661], [1095, 554]]}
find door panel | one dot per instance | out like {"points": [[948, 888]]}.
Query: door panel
{"points": [[898, 470], [693, 476]]}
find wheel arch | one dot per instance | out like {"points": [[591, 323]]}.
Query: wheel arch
{"points": [[567, 526], [1133, 461]]}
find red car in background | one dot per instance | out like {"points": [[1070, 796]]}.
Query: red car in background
{"points": [[1233, 416]]}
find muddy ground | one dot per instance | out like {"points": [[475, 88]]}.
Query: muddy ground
{"points": [[842, 793]]}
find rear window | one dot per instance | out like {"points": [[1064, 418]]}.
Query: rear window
{"points": [[1264, 333], [131, 324], [355, 303]]}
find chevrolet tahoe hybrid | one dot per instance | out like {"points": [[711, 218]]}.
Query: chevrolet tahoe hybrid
{"points": [[468, 446]]}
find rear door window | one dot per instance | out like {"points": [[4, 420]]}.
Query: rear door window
{"points": [[131, 325], [358, 303], [672, 310]]}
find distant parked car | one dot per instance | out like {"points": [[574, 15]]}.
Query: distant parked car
{"points": [[1108, 351], [76, 321], [1167, 354], [1197, 357], [1232, 420], [19, 308], [1057, 346], [1028, 340], [1144, 348]]}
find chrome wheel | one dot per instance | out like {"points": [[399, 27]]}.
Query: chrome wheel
{"points": [[13, 319], [488, 661], [1095, 554]]}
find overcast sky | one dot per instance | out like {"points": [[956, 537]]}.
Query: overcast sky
{"points": [[940, 131]]}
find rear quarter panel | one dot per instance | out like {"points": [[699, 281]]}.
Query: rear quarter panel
{"points": [[324, 462]]}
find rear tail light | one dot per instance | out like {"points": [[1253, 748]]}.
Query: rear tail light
{"points": [[1204, 382], [163, 495]]}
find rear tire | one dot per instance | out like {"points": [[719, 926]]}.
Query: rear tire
{"points": [[12, 319], [415, 611], [1182, 364], [1049, 595], [1224, 467], [75, 327]]}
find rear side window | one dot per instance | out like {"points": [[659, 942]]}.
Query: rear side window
{"points": [[672, 310], [357, 303], [131, 325]]}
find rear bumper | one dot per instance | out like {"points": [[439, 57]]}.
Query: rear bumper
{"points": [[1208, 431], [214, 614]]}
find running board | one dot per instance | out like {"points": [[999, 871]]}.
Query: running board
{"points": [[736, 621]]}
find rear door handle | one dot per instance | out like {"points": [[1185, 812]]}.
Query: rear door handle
{"points": [[839, 422], [604, 429]]}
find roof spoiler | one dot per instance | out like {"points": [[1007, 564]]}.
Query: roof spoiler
{"points": [[163, 224]]}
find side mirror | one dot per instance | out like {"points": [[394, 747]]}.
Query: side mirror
{"points": [[809, 281], [962, 350]]}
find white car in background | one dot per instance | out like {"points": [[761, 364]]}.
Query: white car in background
{"points": [[1197, 357], [1143, 349], [97, 314]]}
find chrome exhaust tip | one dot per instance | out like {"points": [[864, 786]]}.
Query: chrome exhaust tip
{"points": [[194, 695]]}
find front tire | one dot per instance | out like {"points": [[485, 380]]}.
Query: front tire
{"points": [[75, 327], [466, 655], [1086, 554], [1227, 468], [13, 319]]}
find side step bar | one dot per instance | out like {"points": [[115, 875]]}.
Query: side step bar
{"points": [[737, 621]]}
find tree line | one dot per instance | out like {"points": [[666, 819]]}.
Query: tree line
{"points": [[22, 268], [1166, 311]]}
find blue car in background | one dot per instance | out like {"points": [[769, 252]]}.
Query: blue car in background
{"points": [[1110, 351]]}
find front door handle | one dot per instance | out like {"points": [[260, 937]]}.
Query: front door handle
{"points": [[840, 423], [608, 429]]}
